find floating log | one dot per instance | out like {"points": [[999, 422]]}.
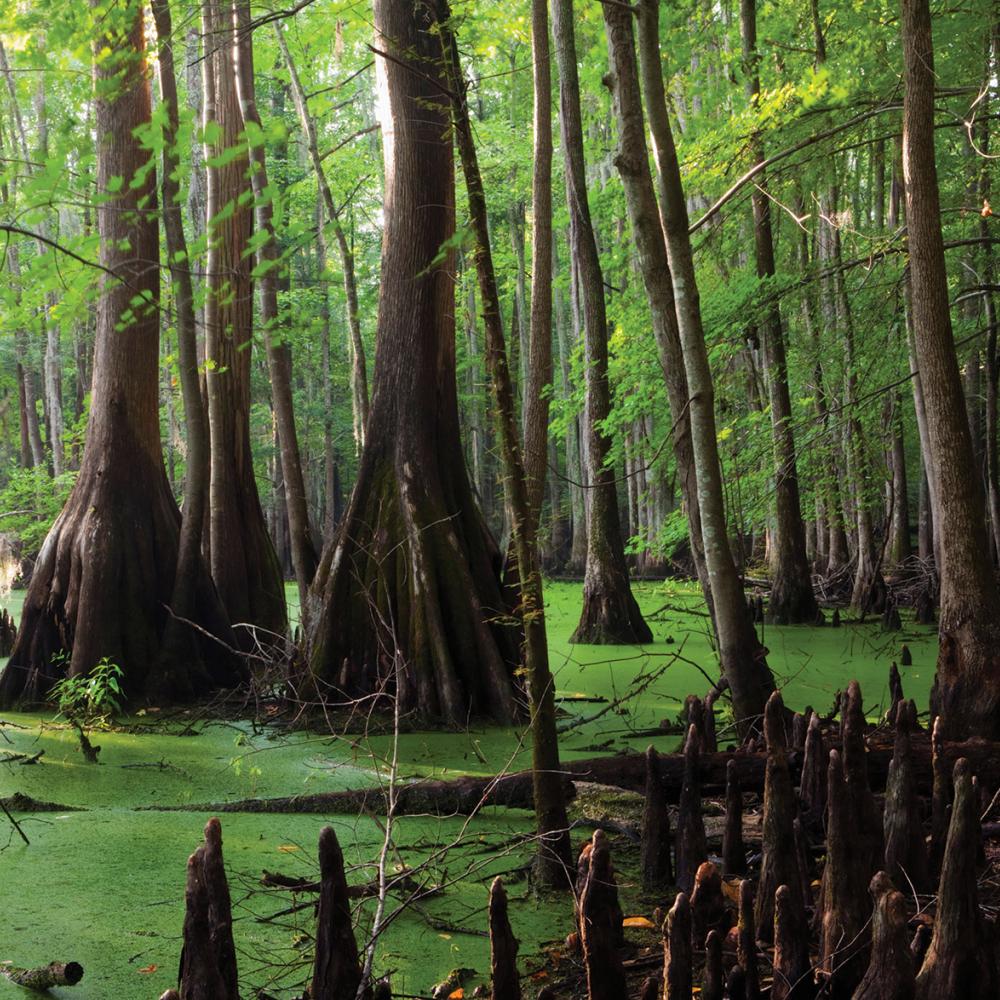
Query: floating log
{"points": [[961, 960], [691, 846], [45, 977], [779, 861], [657, 871], [503, 947], [905, 848], [891, 973], [734, 855], [678, 960], [336, 968], [208, 958], [600, 923]]}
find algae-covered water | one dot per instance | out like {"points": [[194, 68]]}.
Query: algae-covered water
{"points": [[104, 886]]}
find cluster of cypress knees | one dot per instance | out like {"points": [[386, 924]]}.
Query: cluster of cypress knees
{"points": [[870, 928]]}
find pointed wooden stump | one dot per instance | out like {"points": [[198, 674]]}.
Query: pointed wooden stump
{"points": [[708, 904], [734, 854], [845, 906], [657, 871], [962, 959], [600, 924], [503, 947], [905, 848], [792, 969], [812, 784], [208, 959], [336, 968], [941, 793], [746, 944], [895, 692], [713, 984], [868, 823], [678, 960], [711, 740], [779, 861], [891, 973], [691, 846]]}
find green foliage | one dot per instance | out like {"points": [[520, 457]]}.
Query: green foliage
{"points": [[93, 698], [29, 503]]}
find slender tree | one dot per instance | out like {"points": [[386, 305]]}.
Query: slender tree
{"points": [[244, 564], [610, 611], [968, 668], [742, 657]]}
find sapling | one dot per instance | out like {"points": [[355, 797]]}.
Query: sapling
{"points": [[90, 701]]}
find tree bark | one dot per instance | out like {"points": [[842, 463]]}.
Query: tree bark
{"points": [[410, 590], [968, 669], [279, 355], [105, 575], [741, 654], [610, 611], [244, 564]]}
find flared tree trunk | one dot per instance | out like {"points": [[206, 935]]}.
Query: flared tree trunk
{"points": [[244, 564], [105, 575], [610, 611], [968, 669], [410, 591]]}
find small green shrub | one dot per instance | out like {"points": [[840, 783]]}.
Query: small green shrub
{"points": [[93, 698]]}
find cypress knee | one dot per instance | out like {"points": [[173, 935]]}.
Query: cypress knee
{"points": [[746, 945], [503, 947], [791, 950], [708, 905], [678, 962], [905, 849], [845, 909], [734, 856], [691, 847], [961, 960], [891, 973], [895, 691], [779, 862], [713, 984], [812, 784], [657, 871], [600, 924], [868, 842], [711, 740], [336, 969], [941, 792]]}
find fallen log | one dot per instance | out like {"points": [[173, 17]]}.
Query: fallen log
{"points": [[44, 978], [467, 794]]}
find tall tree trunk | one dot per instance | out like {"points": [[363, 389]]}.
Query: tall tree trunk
{"points": [[899, 546], [632, 162], [791, 600], [743, 658], [555, 861], [105, 574], [610, 611], [244, 565], [329, 452], [279, 355], [968, 669], [411, 592]]}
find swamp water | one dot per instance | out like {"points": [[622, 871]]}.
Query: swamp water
{"points": [[104, 886]]}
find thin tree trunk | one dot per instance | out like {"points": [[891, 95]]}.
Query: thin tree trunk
{"points": [[244, 564], [791, 600], [967, 682], [279, 358], [610, 611], [742, 656]]}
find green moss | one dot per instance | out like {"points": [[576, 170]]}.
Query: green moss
{"points": [[106, 887]]}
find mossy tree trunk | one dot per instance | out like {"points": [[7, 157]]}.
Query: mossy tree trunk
{"points": [[410, 591], [105, 575]]}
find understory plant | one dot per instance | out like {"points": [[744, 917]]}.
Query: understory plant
{"points": [[90, 700]]}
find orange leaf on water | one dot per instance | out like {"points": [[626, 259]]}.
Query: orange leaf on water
{"points": [[148, 970], [456, 994], [638, 922]]}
